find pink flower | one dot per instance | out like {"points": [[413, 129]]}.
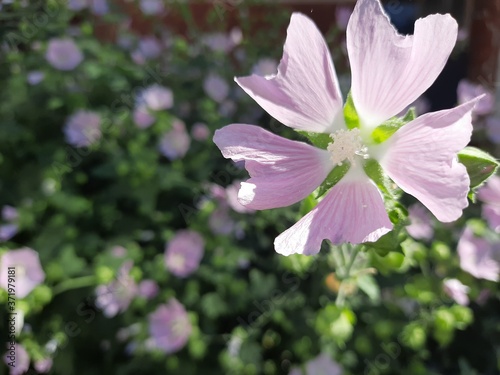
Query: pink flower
{"points": [[200, 131], [490, 195], [175, 143], [265, 67], [9, 213], [151, 7], [83, 128], [457, 291], [35, 77], [493, 129], [169, 327], [342, 16], [20, 357], [7, 231], [157, 98], [421, 223], [220, 42], [184, 253], [63, 54], [43, 366], [216, 87], [389, 72], [478, 256], [321, 365], [115, 297], [148, 289], [467, 91], [28, 270], [142, 117]]}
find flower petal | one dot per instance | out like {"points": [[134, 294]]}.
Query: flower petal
{"points": [[282, 171], [421, 158], [352, 211], [390, 71], [305, 93], [477, 256]]}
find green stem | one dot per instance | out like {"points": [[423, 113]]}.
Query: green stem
{"points": [[342, 293], [80, 282]]}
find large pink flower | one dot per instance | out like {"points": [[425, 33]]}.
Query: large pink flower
{"points": [[389, 72]]}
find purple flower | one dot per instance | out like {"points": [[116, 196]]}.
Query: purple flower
{"points": [[421, 223], [99, 7], [148, 289], [157, 98], [478, 256], [184, 253], [142, 117], [76, 5], [342, 16], [169, 327], [200, 131], [467, 91], [321, 365], [118, 251], [265, 67], [151, 7], [175, 143], [389, 72], [43, 366], [457, 291], [221, 222], [220, 42], [216, 87], [9, 213], [115, 297], [150, 47], [490, 195], [63, 54], [28, 270], [493, 129], [35, 77], [83, 128], [19, 357], [7, 231]]}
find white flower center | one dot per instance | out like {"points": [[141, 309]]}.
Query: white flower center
{"points": [[346, 145]]}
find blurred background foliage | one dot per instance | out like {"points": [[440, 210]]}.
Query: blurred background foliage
{"points": [[147, 174]]}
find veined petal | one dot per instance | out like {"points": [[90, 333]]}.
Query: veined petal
{"points": [[421, 158], [352, 211], [305, 93], [282, 171], [390, 71]]}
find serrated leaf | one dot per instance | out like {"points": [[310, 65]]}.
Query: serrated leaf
{"points": [[480, 165], [350, 114]]}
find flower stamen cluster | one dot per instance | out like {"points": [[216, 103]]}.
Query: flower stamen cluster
{"points": [[346, 145]]}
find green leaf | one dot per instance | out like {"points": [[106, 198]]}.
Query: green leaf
{"points": [[480, 165], [350, 114], [320, 140], [376, 173], [383, 132], [333, 177], [368, 285]]}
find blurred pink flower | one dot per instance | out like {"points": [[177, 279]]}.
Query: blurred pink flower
{"points": [[118, 251], [142, 117], [216, 87], [265, 67], [493, 129], [169, 327], [28, 270], [115, 297], [77, 5], [342, 16], [63, 54], [457, 291], [221, 221], [20, 357], [184, 252], [478, 256], [467, 91], [321, 365], [389, 71], [420, 227], [489, 194], [200, 131], [99, 7], [148, 289], [157, 97], [175, 143], [9, 213], [43, 366], [221, 42], [83, 128], [151, 7], [150, 47], [7, 231], [35, 77]]}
